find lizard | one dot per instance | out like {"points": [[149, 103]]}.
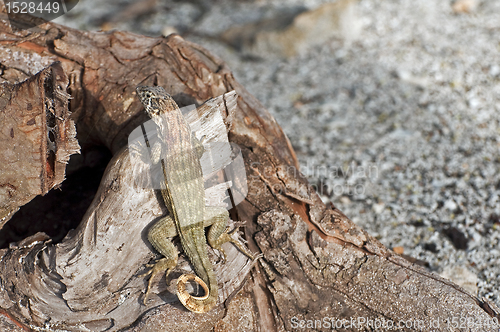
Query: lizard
{"points": [[179, 152]]}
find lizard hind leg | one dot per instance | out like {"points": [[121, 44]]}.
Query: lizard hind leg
{"points": [[218, 235], [160, 237]]}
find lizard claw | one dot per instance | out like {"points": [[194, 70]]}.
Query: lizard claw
{"points": [[231, 232], [148, 265], [257, 257], [145, 274], [238, 224], [224, 256]]}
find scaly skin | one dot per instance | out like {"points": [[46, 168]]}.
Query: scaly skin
{"points": [[179, 153]]}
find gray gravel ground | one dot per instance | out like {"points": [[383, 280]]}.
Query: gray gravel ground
{"points": [[398, 124]]}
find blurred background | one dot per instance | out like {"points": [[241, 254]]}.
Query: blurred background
{"points": [[392, 107]]}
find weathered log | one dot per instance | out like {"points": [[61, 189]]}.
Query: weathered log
{"points": [[318, 266]]}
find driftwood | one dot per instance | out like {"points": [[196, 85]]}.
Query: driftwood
{"points": [[318, 268]]}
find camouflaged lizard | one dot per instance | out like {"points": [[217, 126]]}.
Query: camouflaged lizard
{"points": [[179, 152]]}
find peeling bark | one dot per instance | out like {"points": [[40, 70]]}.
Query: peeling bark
{"points": [[317, 263], [37, 138]]}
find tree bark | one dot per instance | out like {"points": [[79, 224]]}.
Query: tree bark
{"points": [[318, 267], [38, 138]]}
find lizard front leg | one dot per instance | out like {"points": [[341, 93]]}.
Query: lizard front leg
{"points": [[160, 236], [217, 217]]}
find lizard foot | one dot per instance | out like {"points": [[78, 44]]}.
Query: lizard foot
{"points": [[159, 267], [238, 244], [226, 237]]}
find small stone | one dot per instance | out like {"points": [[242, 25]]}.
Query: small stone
{"points": [[494, 218], [298, 33], [107, 26], [450, 205], [430, 247], [464, 6], [378, 208], [345, 200], [474, 103], [325, 199], [420, 82], [461, 276], [168, 30], [398, 250], [495, 70], [457, 238]]}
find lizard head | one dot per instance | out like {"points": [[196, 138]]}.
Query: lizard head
{"points": [[152, 97]]}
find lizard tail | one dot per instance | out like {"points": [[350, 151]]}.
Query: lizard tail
{"points": [[198, 304]]}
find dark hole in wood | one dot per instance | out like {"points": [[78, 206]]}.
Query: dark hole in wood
{"points": [[48, 86], [51, 119], [52, 137], [51, 159], [61, 209]]}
